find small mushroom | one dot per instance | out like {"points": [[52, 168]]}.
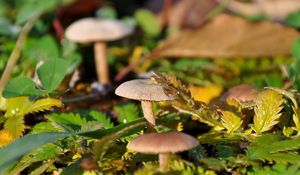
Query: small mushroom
{"points": [[163, 144], [242, 93], [147, 91], [98, 31]]}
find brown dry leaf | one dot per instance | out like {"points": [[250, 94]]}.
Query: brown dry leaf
{"points": [[277, 9], [188, 13], [228, 36]]}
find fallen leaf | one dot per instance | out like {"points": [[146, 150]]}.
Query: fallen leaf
{"points": [[206, 93], [228, 36], [276, 9], [188, 13]]}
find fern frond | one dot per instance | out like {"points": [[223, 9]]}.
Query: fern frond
{"points": [[15, 126], [272, 149], [127, 112], [267, 111], [102, 118]]}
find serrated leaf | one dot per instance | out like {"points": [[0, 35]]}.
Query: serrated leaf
{"points": [[127, 112], [231, 121], [20, 106], [15, 125], [51, 73], [20, 147], [267, 111], [44, 127], [102, 118], [70, 121], [21, 86], [139, 125]]}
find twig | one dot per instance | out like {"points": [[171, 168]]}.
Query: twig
{"points": [[15, 55]]}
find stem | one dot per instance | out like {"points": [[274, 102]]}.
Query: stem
{"points": [[102, 69], [15, 54], [148, 113], [163, 161]]}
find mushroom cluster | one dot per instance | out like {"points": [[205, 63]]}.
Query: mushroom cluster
{"points": [[147, 91]]}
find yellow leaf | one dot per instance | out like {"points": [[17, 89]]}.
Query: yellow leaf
{"points": [[179, 126], [231, 121], [205, 94], [20, 106], [5, 138]]}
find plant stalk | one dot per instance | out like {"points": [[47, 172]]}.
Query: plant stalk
{"points": [[15, 55]]}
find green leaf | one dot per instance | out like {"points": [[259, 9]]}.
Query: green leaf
{"points": [[33, 8], [102, 118], [127, 112], [51, 73], [41, 48], [140, 124], [293, 19], [45, 127], [107, 12], [20, 147], [267, 111], [148, 22], [296, 49], [21, 86], [70, 121]]}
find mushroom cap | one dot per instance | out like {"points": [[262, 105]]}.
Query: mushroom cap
{"points": [[156, 143], [92, 29], [144, 89], [241, 93]]}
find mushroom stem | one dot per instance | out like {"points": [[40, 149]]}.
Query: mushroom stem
{"points": [[101, 63], [163, 161], [148, 113]]}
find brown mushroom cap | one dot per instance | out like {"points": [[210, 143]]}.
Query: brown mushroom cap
{"points": [[143, 89], [156, 143], [241, 93], [92, 29]]}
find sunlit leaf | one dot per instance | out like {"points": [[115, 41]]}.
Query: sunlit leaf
{"points": [[267, 111], [231, 121]]}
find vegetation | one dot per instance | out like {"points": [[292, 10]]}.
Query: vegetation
{"points": [[54, 121]]}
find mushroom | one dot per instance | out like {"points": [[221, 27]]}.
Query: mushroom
{"points": [[163, 144], [243, 93], [147, 91], [98, 31]]}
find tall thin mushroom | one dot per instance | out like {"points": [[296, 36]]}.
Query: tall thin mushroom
{"points": [[163, 144], [147, 92], [98, 31]]}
